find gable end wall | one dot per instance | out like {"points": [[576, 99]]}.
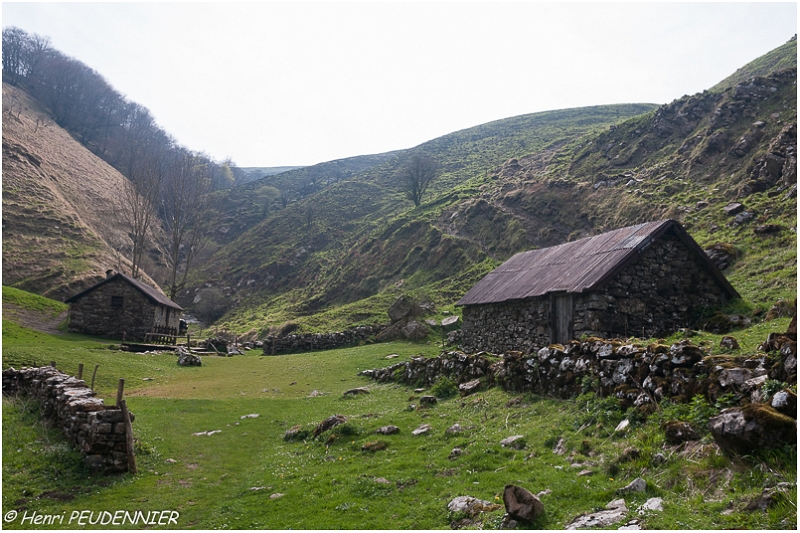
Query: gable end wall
{"points": [[92, 313]]}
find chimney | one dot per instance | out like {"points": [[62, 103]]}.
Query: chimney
{"points": [[110, 272]]}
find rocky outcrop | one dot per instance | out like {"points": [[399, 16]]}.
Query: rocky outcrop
{"points": [[742, 430], [97, 430]]}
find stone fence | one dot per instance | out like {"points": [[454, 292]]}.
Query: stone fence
{"points": [[636, 374], [308, 342], [97, 430]]}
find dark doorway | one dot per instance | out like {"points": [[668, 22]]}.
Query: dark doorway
{"points": [[561, 318]]}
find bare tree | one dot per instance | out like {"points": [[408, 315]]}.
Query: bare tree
{"points": [[417, 176], [183, 209]]}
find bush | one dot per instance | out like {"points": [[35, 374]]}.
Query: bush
{"points": [[444, 388]]}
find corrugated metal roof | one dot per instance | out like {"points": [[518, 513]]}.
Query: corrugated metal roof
{"points": [[151, 292], [576, 266]]}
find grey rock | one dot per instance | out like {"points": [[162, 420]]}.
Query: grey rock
{"points": [[402, 308], [469, 387], [521, 504], [187, 359], [454, 429], [415, 331], [637, 485], [615, 512], [516, 442], [729, 342], [422, 430], [387, 430], [356, 391], [742, 430], [469, 505], [455, 452], [652, 505], [428, 400], [785, 402], [733, 208], [560, 448]]}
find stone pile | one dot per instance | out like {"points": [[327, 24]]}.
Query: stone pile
{"points": [[97, 430], [426, 371], [307, 342]]}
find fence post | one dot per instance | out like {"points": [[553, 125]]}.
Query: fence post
{"points": [[93, 375], [80, 370], [126, 419], [120, 389]]}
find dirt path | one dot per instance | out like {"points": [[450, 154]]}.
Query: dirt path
{"points": [[44, 322]]}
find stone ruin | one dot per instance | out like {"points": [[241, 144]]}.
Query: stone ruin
{"points": [[96, 429]]}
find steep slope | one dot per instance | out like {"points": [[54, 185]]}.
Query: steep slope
{"points": [[783, 57], [361, 237], [61, 205]]}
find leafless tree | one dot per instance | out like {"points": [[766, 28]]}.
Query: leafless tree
{"points": [[183, 202], [417, 175]]}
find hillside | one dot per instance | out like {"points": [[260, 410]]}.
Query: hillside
{"points": [[340, 256], [61, 205]]}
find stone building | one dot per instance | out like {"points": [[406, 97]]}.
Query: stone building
{"points": [[121, 307], [645, 280]]}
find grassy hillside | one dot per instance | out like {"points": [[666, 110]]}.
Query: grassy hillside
{"points": [[783, 57], [361, 239], [249, 477], [61, 205], [340, 256]]}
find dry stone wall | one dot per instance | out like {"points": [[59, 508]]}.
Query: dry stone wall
{"points": [[97, 430], [307, 342]]}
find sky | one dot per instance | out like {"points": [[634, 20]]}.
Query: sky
{"points": [[275, 84]]}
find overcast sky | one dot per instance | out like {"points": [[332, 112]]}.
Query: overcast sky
{"points": [[272, 84]]}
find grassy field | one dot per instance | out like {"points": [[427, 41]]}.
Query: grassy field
{"points": [[247, 477]]}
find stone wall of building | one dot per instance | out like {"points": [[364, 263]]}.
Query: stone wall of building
{"points": [[93, 313], [97, 430], [665, 289], [308, 342]]}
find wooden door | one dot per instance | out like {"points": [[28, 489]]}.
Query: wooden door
{"points": [[561, 319]]}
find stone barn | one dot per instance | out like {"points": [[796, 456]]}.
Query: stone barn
{"points": [[121, 307], [646, 280]]}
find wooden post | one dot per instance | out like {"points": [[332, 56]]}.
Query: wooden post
{"points": [[80, 370], [53, 364], [93, 375], [120, 389], [126, 419]]}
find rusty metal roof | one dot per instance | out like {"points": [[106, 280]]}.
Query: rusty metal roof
{"points": [[577, 266], [151, 293]]}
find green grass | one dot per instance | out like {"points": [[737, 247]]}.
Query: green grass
{"points": [[32, 302], [209, 479]]}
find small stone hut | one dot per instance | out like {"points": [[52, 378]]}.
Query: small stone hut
{"points": [[645, 280], [121, 307]]}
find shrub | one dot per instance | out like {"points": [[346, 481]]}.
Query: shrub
{"points": [[444, 388]]}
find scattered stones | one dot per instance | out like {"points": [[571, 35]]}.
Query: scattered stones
{"points": [[469, 387], [471, 506], [356, 391], [455, 452], [428, 401], [251, 415], [276, 496], [422, 430], [521, 504], [387, 430], [651, 505], [454, 429], [374, 446], [637, 485], [187, 359], [729, 343], [560, 447], [677, 431], [329, 423], [295, 433], [516, 442], [615, 512]]}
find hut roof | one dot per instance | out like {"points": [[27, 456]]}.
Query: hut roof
{"points": [[578, 266], [151, 293]]}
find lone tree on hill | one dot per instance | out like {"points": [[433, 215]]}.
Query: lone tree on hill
{"points": [[417, 175]]}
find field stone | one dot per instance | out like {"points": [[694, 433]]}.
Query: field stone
{"points": [[560, 447], [729, 342], [387, 430], [615, 512], [637, 485], [470, 505], [469, 387], [275, 496], [455, 452], [356, 391], [652, 505], [454, 429], [677, 432], [422, 430], [428, 400], [329, 423], [521, 504], [251, 415], [785, 402], [516, 442], [374, 446]]}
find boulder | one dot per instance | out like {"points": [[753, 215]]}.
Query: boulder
{"points": [[677, 432], [422, 430], [785, 402], [516, 442], [637, 485], [521, 504], [754, 427], [729, 343], [415, 331], [733, 208], [387, 430], [615, 512], [356, 391], [451, 322], [403, 307], [471, 506], [329, 423], [469, 387], [428, 401], [187, 359]]}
